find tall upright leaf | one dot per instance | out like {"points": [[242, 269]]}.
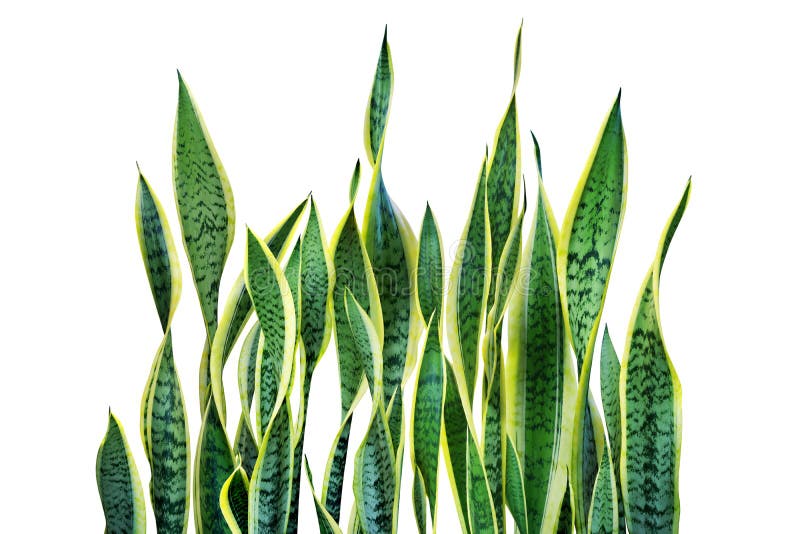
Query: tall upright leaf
{"points": [[327, 524], [374, 477], [118, 482], [454, 444], [430, 268], [427, 410], [271, 485], [609, 384], [650, 407], [537, 380], [205, 206], [164, 425], [389, 240], [274, 307], [482, 518], [469, 286], [604, 509], [239, 307], [585, 254], [503, 174], [233, 500], [214, 463], [316, 277], [334, 469]]}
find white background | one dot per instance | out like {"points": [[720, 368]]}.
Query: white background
{"points": [[86, 90]]}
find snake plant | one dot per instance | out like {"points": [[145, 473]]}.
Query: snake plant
{"points": [[495, 359]]}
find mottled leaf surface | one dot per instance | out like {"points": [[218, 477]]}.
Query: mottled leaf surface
{"points": [[374, 477], [270, 487]]}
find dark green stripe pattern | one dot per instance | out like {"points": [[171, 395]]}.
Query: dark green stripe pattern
{"points": [[482, 519], [206, 213], [515, 488], [213, 466], [651, 408], [379, 102], [327, 524], [118, 482], [374, 477], [591, 232], [427, 414], [419, 501], [270, 487], [233, 500], [454, 445], [604, 510], [609, 387], [334, 470], [468, 284], [430, 270]]}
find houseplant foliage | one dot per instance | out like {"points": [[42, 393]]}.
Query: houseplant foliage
{"points": [[495, 361]]}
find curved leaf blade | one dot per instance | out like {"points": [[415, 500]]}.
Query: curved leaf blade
{"points": [[118, 482], [334, 469], [585, 256], [233, 501], [650, 407], [482, 518], [379, 102], [327, 524], [214, 463], [454, 445], [609, 384], [468, 287], [374, 478], [270, 487], [515, 488], [604, 510], [430, 270]]}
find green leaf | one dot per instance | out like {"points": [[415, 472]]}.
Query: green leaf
{"points": [[245, 446], [214, 463], [482, 518], [374, 478], [540, 373], [430, 270], [167, 442], [327, 524], [586, 252], [239, 307], [334, 469], [565, 525], [292, 272], [390, 243], [427, 410], [158, 252], [233, 501], [366, 344], [205, 208], [418, 500], [354, 181], [246, 373], [604, 512], [270, 487], [454, 445], [118, 482], [353, 273], [609, 384], [379, 102], [274, 307], [468, 288], [650, 407], [515, 488], [503, 176]]}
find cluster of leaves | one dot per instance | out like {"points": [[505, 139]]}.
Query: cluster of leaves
{"points": [[519, 430]]}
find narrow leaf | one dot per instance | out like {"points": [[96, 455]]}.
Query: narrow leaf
{"points": [[354, 180], [609, 384], [379, 102], [327, 524], [274, 307], [454, 445], [469, 286], [418, 500], [213, 465], [374, 478], [515, 488], [482, 517], [604, 511], [430, 269], [270, 487], [118, 482], [239, 307], [427, 410], [650, 407], [245, 446], [366, 344], [233, 501], [334, 469], [585, 255]]}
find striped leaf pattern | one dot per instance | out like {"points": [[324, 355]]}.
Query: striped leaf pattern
{"points": [[604, 509], [426, 424], [515, 487], [536, 372], [482, 518], [239, 307], [118, 482], [206, 213], [469, 286], [272, 300], [214, 463], [374, 477], [164, 424], [650, 408], [327, 524], [233, 501], [586, 252], [270, 488], [609, 385], [334, 469], [454, 444]]}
